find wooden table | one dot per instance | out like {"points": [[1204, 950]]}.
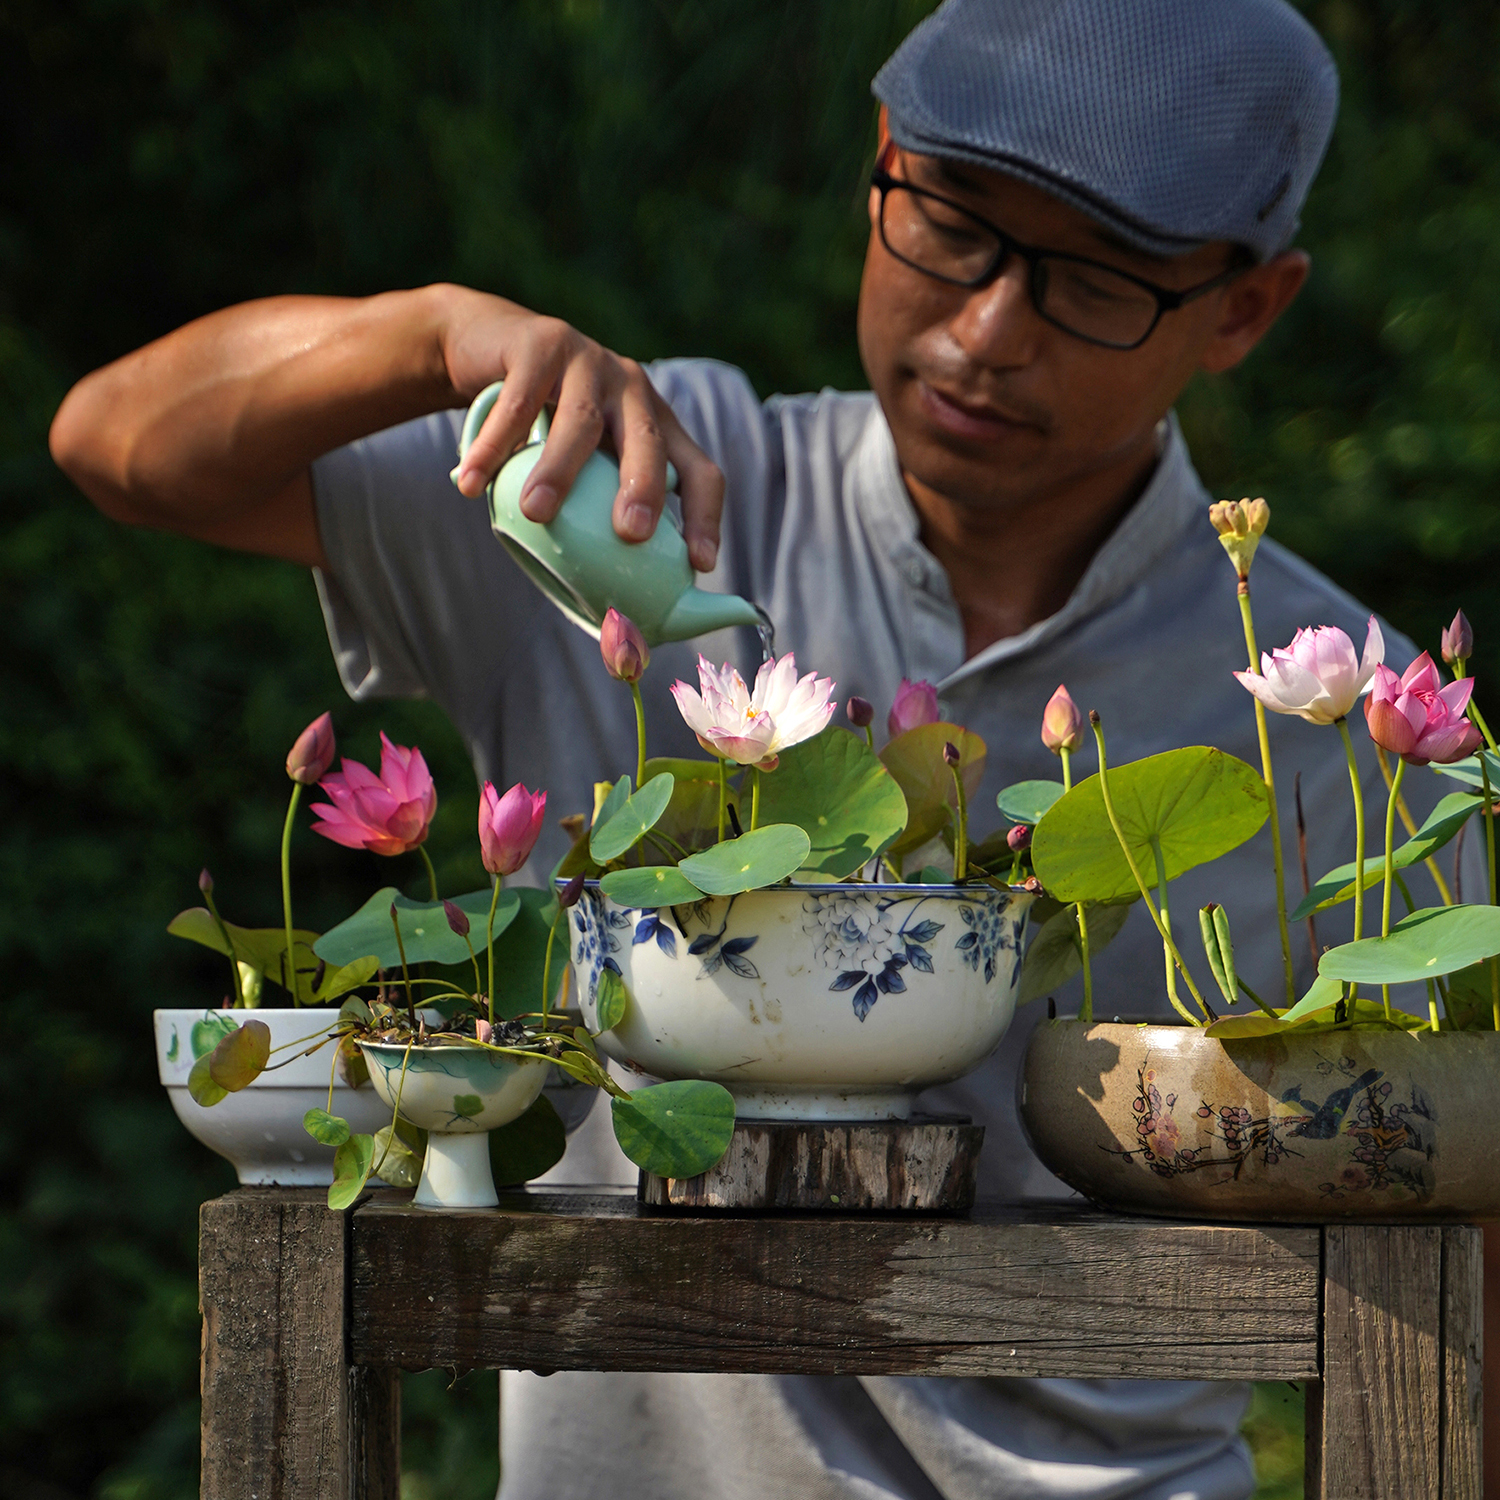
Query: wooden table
{"points": [[308, 1316]]}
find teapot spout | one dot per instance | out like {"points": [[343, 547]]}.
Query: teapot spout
{"points": [[697, 612]]}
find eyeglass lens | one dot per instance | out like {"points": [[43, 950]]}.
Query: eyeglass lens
{"points": [[1090, 301]]}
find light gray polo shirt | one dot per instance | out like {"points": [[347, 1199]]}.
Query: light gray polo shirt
{"points": [[421, 601]]}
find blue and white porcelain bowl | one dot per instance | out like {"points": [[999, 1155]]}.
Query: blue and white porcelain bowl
{"points": [[811, 1002]]}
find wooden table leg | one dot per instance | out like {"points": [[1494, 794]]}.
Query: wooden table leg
{"points": [[1397, 1416], [285, 1416]]}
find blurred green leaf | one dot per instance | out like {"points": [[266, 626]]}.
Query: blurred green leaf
{"points": [[531, 1144]]}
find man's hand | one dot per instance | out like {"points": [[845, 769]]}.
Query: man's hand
{"points": [[597, 396]]}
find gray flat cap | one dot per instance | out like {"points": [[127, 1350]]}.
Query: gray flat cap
{"points": [[1174, 122]]}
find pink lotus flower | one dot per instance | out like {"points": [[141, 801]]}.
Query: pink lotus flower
{"points": [[509, 827], [386, 814], [1458, 639], [623, 647], [1416, 717], [1062, 723], [915, 704], [1318, 677], [309, 759], [753, 729]]}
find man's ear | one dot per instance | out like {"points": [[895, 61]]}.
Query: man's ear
{"points": [[1250, 304], [882, 149]]}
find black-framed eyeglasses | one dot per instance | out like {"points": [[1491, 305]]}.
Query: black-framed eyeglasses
{"points": [[1094, 302]]}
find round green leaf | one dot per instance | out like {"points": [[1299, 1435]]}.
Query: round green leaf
{"points": [[530, 1145], [650, 885], [632, 820], [837, 791], [749, 862], [610, 999], [351, 1170], [915, 759], [1198, 802], [1422, 946], [393, 1161], [1055, 954], [324, 1127], [425, 932], [675, 1129], [237, 1061], [201, 1086], [1026, 801]]}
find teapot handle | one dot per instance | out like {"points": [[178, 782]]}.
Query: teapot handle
{"points": [[482, 405]]}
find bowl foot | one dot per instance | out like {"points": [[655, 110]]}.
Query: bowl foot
{"points": [[456, 1172], [780, 1101]]}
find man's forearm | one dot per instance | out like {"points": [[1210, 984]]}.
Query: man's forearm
{"points": [[211, 423]]}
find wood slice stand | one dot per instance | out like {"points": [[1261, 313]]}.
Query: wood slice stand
{"points": [[927, 1164]]}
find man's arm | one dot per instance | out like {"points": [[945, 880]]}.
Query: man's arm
{"points": [[211, 430]]}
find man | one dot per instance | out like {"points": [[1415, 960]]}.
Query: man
{"points": [[1077, 204]]}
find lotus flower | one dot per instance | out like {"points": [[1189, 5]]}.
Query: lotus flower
{"points": [[509, 827], [309, 759], [916, 704], [386, 814], [1317, 677], [1062, 723], [1416, 717], [623, 647], [753, 728]]}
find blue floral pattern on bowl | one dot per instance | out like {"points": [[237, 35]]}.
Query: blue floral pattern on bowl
{"points": [[596, 925]]}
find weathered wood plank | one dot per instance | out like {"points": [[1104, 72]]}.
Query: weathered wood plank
{"points": [[1382, 1363], [374, 1433], [599, 1284], [272, 1284], [1463, 1349], [908, 1166]]}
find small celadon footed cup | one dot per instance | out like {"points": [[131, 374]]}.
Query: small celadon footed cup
{"points": [[457, 1095], [583, 565]]}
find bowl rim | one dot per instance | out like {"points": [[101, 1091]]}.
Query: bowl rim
{"points": [[820, 887]]}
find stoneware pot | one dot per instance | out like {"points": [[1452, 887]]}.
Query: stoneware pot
{"points": [[811, 1002], [458, 1095], [259, 1129], [1299, 1128]]}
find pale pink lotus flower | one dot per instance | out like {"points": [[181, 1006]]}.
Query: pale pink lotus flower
{"points": [[1318, 677], [1416, 717], [386, 814], [915, 704], [1062, 723], [623, 647], [309, 759], [753, 728], [509, 827]]}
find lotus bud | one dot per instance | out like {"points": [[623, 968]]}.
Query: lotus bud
{"points": [[951, 756], [571, 892], [1018, 838], [205, 881], [1240, 524], [916, 703], [1458, 640], [508, 827], [1062, 723], [483, 1030], [458, 919], [623, 647], [861, 712], [309, 759]]}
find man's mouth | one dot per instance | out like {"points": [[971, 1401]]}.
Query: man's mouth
{"points": [[980, 421]]}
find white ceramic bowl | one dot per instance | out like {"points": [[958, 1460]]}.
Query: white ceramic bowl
{"points": [[827, 1002], [259, 1129]]}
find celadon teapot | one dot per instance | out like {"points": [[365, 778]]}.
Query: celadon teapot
{"points": [[582, 565]]}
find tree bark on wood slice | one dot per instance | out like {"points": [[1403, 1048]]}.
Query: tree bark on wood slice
{"points": [[911, 1166]]}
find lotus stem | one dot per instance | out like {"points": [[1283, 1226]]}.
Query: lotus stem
{"points": [[961, 829], [234, 958], [547, 963], [1166, 918], [411, 1010], [755, 799], [1268, 777], [489, 948], [1390, 870], [1489, 826], [640, 736], [1086, 1011], [286, 888], [1432, 1014], [1312, 922], [395, 1112], [723, 797], [1135, 870], [432, 889], [1410, 824], [1067, 767], [1359, 832]]}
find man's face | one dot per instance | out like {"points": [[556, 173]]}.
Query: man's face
{"points": [[988, 402]]}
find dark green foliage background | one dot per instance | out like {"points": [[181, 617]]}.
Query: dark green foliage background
{"points": [[675, 176]]}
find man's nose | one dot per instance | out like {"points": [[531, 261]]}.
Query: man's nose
{"points": [[997, 324]]}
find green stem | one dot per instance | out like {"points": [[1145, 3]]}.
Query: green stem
{"points": [[234, 958], [870, 736], [723, 798], [431, 873], [1410, 824], [395, 1112], [755, 799], [1432, 1014], [1489, 825], [411, 1010], [547, 963], [1359, 831], [1135, 871], [474, 959], [961, 828], [892, 869], [1166, 920], [1267, 776], [1067, 768], [489, 947], [1484, 728], [640, 736], [286, 888], [1086, 1012], [1390, 869]]}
